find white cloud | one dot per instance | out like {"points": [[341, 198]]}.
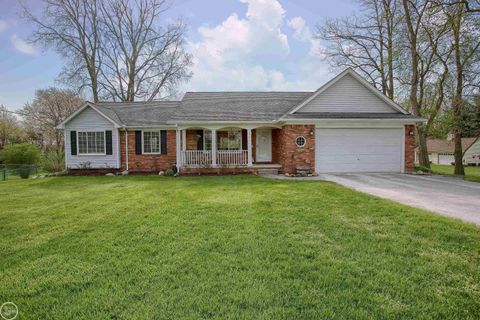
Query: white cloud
{"points": [[23, 46], [241, 53], [3, 25], [301, 30], [303, 33]]}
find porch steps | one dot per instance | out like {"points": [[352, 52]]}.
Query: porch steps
{"points": [[267, 171]]}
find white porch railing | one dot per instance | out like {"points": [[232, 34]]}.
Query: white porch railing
{"points": [[203, 158], [200, 158], [232, 157]]}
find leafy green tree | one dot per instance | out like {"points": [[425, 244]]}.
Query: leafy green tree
{"points": [[10, 129]]}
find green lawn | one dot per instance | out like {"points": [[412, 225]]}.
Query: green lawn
{"points": [[228, 247], [471, 173]]}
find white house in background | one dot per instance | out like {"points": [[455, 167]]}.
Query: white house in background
{"points": [[441, 151], [471, 156]]}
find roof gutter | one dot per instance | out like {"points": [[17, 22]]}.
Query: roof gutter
{"points": [[406, 120]]}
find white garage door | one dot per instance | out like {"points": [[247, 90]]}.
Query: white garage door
{"points": [[446, 158], [358, 150]]}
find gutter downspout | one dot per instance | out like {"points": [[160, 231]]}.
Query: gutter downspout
{"points": [[126, 149]]}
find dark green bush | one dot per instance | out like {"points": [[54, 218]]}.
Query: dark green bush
{"points": [[24, 153]]}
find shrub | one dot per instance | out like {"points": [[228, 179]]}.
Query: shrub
{"points": [[169, 173], [422, 168], [17, 154], [53, 161], [21, 156]]}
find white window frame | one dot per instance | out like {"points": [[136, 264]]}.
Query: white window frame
{"points": [[228, 135], [204, 142], [96, 153], [159, 142], [304, 139]]}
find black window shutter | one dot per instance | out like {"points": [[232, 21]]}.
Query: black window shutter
{"points": [[138, 142], [73, 143], [200, 140], [163, 141], [108, 142], [244, 140]]}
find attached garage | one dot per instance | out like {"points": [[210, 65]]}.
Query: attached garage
{"points": [[359, 150]]}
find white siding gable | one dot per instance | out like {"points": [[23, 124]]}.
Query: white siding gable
{"points": [[347, 94], [91, 120], [472, 155]]}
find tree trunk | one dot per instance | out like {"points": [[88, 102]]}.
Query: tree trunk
{"points": [[423, 159], [94, 81], [389, 17], [457, 98], [422, 139]]}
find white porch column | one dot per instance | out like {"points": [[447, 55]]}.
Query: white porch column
{"points": [[178, 148], [214, 147], [184, 139], [249, 147]]}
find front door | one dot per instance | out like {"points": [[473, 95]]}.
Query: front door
{"points": [[264, 145]]}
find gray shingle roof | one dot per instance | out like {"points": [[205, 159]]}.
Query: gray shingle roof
{"points": [[236, 106], [139, 113], [224, 107]]}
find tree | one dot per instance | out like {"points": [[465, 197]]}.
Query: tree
{"points": [[466, 42], [10, 130], [141, 58], [117, 48], [72, 28], [366, 43], [49, 108], [426, 69]]}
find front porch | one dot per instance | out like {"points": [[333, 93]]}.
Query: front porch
{"points": [[226, 150]]}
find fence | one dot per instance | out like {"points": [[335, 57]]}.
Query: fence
{"points": [[21, 170]]}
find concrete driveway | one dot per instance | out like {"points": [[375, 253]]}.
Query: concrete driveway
{"points": [[449, 196]]}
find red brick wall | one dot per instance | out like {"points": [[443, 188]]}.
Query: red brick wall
{"points": [[288, 154], [147, 163], [409, 148], [192, 139]]}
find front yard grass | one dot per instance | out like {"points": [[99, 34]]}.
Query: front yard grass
{"points": [[471, 173], [228, 247]]}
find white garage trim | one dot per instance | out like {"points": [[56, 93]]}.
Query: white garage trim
{"points": [[402, 165], [359, 150]]}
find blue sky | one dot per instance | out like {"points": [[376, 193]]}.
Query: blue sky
{"points": [[262, 45]]}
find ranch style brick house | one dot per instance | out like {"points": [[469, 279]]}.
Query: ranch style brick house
{"points": [[345, 126]]}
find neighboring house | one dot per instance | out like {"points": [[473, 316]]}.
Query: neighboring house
{"points": [[471, 155], [442, 151], [345, 126]]}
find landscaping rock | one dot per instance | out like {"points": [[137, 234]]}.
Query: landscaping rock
{"points": [[161, 173], [110, 175], [124, 173]]}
